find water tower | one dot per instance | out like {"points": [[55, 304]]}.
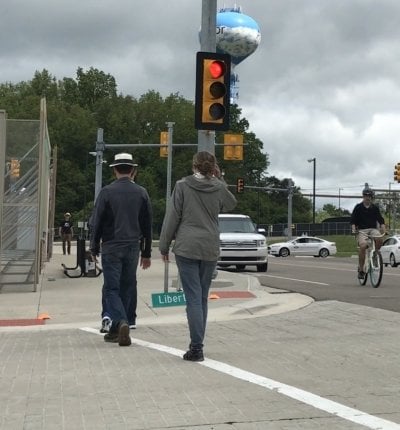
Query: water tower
{"points": [[239, 36]]}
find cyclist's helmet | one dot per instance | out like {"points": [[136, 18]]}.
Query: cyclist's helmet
{"points": [[368, 192]]}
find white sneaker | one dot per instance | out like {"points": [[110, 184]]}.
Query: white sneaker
{"points": [[132, 326], [105, 325]]}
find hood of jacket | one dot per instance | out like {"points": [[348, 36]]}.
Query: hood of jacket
{"points": [[206, 185]]}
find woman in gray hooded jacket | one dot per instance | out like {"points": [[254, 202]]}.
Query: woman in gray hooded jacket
{"points": [[192, 221]]}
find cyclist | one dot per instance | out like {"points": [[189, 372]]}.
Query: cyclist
{"points": [[366, 219]]}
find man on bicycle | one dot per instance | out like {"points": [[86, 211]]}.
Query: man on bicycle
{"points": [[366, 219]]}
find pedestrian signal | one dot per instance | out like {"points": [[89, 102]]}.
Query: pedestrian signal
{"points": [[233, 146], [164, 144], [212, 102]]}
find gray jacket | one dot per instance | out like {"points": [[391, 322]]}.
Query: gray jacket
{"points": [[192, 218]]}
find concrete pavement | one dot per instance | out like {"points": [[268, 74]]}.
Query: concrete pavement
{"points": [[273, 361]]}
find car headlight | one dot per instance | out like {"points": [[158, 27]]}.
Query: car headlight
{"points": [[261, 242]]}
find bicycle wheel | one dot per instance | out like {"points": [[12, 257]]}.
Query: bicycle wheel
{"points": [[376, 270]]}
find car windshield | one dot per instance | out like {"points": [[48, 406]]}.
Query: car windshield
{"points": [[235, 225]]}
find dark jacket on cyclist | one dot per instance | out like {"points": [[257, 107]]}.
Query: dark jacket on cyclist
{"points": [[366, 217]]}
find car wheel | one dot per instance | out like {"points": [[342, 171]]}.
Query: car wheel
{"points": [[323, 253], [393, 261], [262, 267], [284, 252], [240, 266]]}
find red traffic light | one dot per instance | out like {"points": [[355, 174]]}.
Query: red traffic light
{"points": [[216, 69], [212, 91]]}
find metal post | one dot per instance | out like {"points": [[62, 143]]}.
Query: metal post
{"points": [[290, 206], [206, 138], [170, 126], [99, 163], [314, 161]]}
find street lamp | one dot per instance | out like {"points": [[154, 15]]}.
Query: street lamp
{"points": [[314, 161]]}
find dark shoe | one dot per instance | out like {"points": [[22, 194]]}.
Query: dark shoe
{"points": [[193, 355], [361, 275], [123, 334], [111, 337]]}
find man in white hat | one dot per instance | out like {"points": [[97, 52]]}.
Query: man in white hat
{"points": [[122, 222]]}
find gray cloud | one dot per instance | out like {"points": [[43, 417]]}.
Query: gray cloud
{"points": [[323, 82]]}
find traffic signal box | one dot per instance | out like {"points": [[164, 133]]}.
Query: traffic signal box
{"points": [[233, 152], [164, 144], [14, 168], [213, 75], [239, 185], [396, 176]]}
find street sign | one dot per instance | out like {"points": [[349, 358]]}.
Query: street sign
{"points": [[162, 300]]}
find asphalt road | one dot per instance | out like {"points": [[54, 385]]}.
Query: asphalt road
{"points": [[331, 279]]}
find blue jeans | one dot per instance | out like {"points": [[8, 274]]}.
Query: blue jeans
{"points": [[119, 289], [196, 277]]}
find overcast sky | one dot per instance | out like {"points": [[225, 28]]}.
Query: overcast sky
{"points": [[323, 83]]}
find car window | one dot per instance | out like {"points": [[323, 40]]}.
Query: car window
{"points": [[302, 240], [235, 225], [314, 240]]}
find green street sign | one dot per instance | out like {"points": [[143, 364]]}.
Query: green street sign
{"points": [[161, 300]]}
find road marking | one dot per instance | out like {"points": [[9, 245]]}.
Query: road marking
{"points": [[297, 280], [318, 402]]}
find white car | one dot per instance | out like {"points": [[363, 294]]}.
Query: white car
{"points": [[304, 245], [390, 251], [241, 244]]}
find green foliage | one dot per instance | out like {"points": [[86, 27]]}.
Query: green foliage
{"points": [[78, 106]]}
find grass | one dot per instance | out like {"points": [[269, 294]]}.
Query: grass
{"points": [[346, 245]]}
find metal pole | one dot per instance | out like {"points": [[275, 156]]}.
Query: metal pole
{"points": [[206, 138], [99, 163], [170, 126], [314, 175], [290, 205]]}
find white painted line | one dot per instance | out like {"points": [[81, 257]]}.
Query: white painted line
{"points": [[297, 280], [334, 408]]}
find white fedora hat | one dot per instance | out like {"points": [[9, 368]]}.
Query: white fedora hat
{"points": [[123, 158]]}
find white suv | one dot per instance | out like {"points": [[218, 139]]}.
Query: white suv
{"points": [[241, 244]]}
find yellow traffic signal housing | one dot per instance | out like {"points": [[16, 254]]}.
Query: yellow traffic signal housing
{"points": [[233, 147], [239, 185], [213, 75], [164, 144], [396, 176], [14, 168]]}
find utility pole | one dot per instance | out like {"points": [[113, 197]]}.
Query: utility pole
{"points": [[290, 209], [208, 40]]}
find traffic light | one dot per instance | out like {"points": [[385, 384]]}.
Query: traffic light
{"points": [[213, 75], [239, 185], [14, 168], [396, 176], [164, 144], [233, 152]]}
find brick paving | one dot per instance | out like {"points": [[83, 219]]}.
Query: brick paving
{"points": [[58, 376]]}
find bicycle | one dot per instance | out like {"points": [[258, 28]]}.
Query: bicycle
{"points": [[373, 265]]}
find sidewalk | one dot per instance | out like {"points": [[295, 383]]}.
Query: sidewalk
{"points": [[275, 361], [73, 301]]}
